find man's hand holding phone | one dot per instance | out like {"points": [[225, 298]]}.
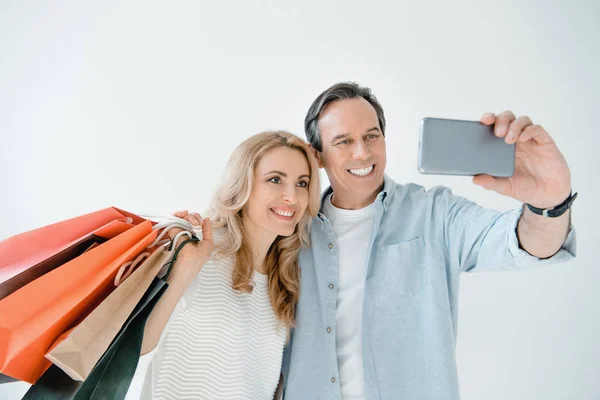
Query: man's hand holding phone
{"points": [[542, 177]]}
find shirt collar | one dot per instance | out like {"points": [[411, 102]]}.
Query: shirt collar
{"points": [[385, 196]]}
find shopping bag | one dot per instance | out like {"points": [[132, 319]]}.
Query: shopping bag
{"points": [[80, 348], [33, 317], [29, 255], [111, 377]]}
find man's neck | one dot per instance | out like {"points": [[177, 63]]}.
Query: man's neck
{"points": [[353, 202]]}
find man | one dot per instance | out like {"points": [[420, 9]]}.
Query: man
{"points": [[377, 315]]}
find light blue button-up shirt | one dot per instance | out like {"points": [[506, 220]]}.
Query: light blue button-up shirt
{"points": [[422, 241]]}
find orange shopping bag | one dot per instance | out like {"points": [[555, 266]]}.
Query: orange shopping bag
{"points": [[29, 255], [33, 317]]}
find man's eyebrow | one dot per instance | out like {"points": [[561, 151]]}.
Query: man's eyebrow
{"points": [[373, 129], [345, 135], [339, 136]]}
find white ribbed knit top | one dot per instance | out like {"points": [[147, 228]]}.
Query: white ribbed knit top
{"points": [[219, 343]]}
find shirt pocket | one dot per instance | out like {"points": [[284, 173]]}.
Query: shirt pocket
{"points": [[401, 268]]}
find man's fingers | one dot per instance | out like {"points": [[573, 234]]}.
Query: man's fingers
{"points": [[488, 182], [516, 128], [503, 120], [488, 119], [537, 133]]}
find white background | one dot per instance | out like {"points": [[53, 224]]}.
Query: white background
{"points": [[138, 105]]}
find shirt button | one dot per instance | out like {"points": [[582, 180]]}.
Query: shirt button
{"points": [[328, 330], [332, 380], [331, 245], [331, 286]]}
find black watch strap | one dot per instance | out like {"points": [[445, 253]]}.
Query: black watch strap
{"points": [[556, 211]]}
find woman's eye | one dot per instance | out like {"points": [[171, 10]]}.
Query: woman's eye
{"points": [[303, 184], [275, 180]]}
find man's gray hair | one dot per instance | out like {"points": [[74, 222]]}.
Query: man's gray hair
{"points": [[339, 91]]}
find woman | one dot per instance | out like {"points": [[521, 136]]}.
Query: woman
{"points": [[219, 330]]}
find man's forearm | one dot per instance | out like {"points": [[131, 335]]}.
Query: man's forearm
{"points": [[541, 236]]}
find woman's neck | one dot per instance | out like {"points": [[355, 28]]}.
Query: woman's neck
{"points": [[259, 242]]}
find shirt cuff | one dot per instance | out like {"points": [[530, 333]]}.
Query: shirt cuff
{"points": [[567, 251]]}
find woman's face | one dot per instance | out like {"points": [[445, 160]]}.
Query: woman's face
{"points": [[279, 194]]}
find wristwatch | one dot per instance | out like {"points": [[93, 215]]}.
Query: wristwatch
{"points": [[555, 211]]}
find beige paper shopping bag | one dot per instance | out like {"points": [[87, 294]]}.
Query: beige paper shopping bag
{"points": [[82, 346]]}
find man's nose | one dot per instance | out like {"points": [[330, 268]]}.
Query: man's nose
{"points": [[361, 151]]}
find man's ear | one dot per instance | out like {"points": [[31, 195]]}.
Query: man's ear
{"points": [[317, 155]]}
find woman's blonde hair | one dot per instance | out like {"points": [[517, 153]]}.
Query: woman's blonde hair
{"points": [[226, 212]]}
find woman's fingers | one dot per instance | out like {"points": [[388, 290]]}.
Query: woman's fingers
{"points": [[173, 232], [194, 219], [207, 230]]}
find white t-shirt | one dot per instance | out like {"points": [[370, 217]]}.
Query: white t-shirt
{"points": [[353, 230], [219, 343]]}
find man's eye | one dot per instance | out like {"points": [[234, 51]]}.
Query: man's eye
{"points": [[345, 141], [275, 180]]}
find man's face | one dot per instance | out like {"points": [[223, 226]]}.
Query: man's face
{"points": [[353, 151]]}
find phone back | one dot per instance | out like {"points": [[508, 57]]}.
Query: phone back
{"points": [[454, 147]]}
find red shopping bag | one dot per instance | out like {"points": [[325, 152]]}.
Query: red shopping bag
{"points": [[29, 255]]}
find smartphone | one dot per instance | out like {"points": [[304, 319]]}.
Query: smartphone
{"points": [[455, 147]]}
